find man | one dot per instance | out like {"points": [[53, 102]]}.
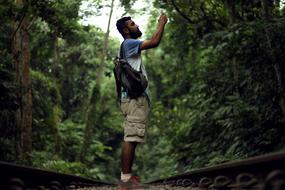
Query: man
{"points": [[135, 110]]}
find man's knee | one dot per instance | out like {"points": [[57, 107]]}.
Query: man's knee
{"points": [[130, 143]]}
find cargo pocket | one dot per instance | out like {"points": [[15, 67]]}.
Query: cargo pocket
{"points": [[140, 102], [135, 126], [125, 102]]}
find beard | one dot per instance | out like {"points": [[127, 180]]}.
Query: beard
{"points": [[136, 34]]}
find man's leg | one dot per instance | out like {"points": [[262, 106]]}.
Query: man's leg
{"points": [[135, 112], [127, 157]]}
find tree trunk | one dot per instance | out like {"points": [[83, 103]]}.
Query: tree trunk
{"points": [[92, 119], [230, 7], [281, 87], [279, 72], [95, 106], [236, 75], [56, 108], [55, 123], [267, 8], [56, 60], [104, 50], [277, 3], [21, 61]]}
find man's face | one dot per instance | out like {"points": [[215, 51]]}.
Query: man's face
{"points": [[133, 29]]}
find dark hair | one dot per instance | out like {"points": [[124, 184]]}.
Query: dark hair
{"points": [[121, 23]]}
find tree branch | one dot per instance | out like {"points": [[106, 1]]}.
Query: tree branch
{"points": [[208, 18], [182, 14], [24, 10]]}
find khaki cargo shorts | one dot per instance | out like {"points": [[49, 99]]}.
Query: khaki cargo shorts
{"points": [[135, 113]]}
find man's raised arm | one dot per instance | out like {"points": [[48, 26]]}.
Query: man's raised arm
{"points": [[154, 41]]}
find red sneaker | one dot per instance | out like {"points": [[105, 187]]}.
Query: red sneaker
{"points": [[133, 183]]}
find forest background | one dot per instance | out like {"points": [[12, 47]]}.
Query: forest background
{"points": [[216, 80]]}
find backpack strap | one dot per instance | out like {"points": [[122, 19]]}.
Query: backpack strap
{"points": [[118, 83], [122, 54], [121, 50]]}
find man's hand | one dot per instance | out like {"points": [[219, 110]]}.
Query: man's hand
{"points": [[162, 19], [154, 41]]}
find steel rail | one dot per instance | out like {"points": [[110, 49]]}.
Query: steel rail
{"points": [[263, 172], [266, 172], [17, 175]]}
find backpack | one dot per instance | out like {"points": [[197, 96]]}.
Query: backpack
{"points": [[132, 81]]}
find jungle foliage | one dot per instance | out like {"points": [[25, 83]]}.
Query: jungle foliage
{"points": [[216, 81]]}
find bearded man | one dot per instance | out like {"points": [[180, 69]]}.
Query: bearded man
{"points": [[135, 110]]}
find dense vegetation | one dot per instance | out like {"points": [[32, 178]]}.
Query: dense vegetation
{"points": [[216, 80]]}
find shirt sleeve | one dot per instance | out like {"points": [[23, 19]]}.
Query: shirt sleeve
{"points": [[132, 47]]}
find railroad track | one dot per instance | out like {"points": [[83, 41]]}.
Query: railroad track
{"points": [[265, 172]]}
